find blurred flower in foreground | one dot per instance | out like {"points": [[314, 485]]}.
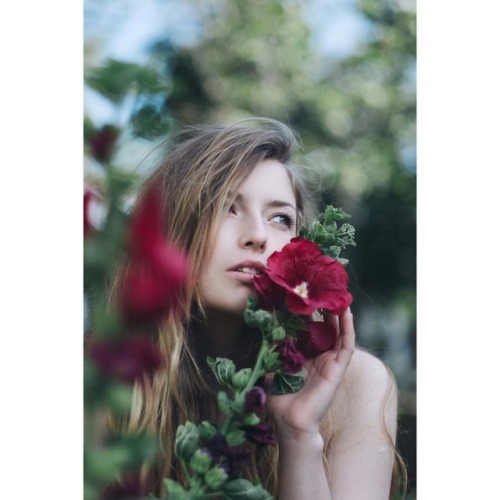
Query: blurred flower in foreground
{"points": [[154, 282], [125, 359], [129, 488], [102, 143], [311, 279]]}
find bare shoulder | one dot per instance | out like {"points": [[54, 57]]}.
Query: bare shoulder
{"points": [[367, 373], [360, 431], [367, 397]]}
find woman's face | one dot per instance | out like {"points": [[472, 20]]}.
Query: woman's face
{"points": [[261, 220]]}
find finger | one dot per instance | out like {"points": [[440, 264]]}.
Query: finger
{"points": [[333, 320], [267, 382], [347, 336]]}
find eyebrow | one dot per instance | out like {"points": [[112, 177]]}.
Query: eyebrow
{"points": [[272, 203]]}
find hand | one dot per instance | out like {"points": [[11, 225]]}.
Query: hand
{"points": [[302, 412]]}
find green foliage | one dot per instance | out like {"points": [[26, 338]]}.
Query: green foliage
{"points": [[187, 440], [223, 369], [244, 489], [117, 78], [284, 383], [329, 237]]}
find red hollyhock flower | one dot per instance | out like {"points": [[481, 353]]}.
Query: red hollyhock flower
{"points": [[311, 279], [291, 359], [270, 295], [146, 296], [259, 434], [125, 359], [318, 338], [154, 284]]}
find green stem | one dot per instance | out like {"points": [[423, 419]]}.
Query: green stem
{"points": [[256, 373]]}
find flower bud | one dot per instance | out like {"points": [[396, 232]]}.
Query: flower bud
{"points": [[278, 333], [200, 462], [186, 441], [255, 399], [216, 477], [223, 369], [241, 378], [207, 430], [251, 419]]}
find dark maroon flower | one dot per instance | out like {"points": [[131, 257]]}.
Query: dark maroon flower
{"points": [[291, 359], [311, 279], [232, 458], [259, 434], [103, 142], [318, 338], [126, 359], [154, 283], [255, 399], [129, 488], [270, 295]]}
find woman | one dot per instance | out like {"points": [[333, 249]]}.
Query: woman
{"points": [[233, 197]]}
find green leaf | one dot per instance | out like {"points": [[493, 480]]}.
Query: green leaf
{"points": [[149, 122], [284, 383], [223, 369], [116, 78], [119, 397], [175, 490], [244, 489]]}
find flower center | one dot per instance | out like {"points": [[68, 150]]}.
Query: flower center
{"points": [[301, 289]]}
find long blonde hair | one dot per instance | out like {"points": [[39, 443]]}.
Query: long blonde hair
{"points": [[204, 165]]}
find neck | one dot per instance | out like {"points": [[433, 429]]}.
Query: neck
{"points": [[226, 336]]}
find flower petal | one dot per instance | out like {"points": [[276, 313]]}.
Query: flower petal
{"points": [[317, 339], [270, 295]]}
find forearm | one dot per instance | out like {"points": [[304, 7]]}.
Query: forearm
{"points": [[301, 469]]}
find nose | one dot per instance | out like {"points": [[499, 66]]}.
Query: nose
{"points": [[253, 234]]}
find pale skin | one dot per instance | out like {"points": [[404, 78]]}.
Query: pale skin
{"points": [[351, 384]]}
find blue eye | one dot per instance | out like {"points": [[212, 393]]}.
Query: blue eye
{"points": [[283, 219]]}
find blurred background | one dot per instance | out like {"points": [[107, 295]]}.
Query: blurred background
{"points": [[341, 73]]}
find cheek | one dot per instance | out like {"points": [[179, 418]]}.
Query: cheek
{"points": [[279, 241]]}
